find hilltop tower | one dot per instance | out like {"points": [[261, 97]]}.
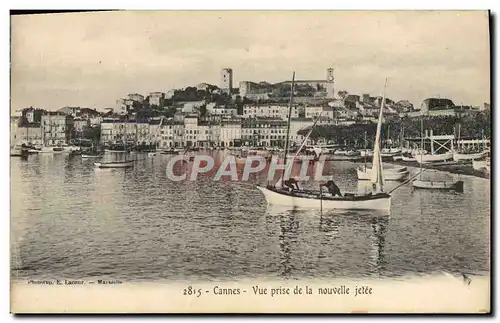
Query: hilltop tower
{"points": [[226, 80], [330, 84]]}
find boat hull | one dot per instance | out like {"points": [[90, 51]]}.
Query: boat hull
{"points": [[469, 157], [90, 156], [408, 159], [115, 165], [423, 159], [439, 185], [397, 175], [380, 202]]}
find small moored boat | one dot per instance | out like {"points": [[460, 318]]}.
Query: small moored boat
{"points": [[440, 185], [117, 164]]}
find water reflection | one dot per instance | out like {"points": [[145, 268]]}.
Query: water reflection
{"points": [[289, 225], [137, 223]]}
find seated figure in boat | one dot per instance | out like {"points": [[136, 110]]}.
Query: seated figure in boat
{"points": [[332, 188], [292, 184]]}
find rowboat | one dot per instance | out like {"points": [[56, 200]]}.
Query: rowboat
{"points": [[122, 164], [428, 158], [469, 157], [440, 185]]}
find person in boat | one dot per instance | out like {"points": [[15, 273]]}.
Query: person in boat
{"points": [[292, 184], [332, 188]]}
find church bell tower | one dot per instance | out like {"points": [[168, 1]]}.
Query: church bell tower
{"points": [[330, 84]]}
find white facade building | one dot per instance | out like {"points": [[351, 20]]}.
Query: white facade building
{"points": [[270, 111]]}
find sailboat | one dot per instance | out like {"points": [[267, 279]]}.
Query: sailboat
{"points": [[390, 174], [436, 185], [117, 164], [279, 195]]}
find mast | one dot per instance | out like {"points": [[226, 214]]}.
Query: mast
{"points": [[377, 168], [458, 143], [421, 144], [288, 125], [365, 151]]}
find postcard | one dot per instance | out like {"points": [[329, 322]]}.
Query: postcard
{"points": [[250, 162]]}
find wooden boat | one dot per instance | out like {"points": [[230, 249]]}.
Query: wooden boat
{"points": [[51, 150], [408, 159], [90, 156], [440, 185], [428, 158], [469, 157], [117, 164], [397, 158], [281, 196], [389, 174], [316, 200], [390, 152]]}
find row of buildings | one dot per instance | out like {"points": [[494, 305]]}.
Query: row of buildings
{"points": [[194, 131]]}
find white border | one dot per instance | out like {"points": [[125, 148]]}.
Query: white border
{"points": [[186, 4]]}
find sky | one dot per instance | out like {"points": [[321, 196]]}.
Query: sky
{"points": [[93, 59]]}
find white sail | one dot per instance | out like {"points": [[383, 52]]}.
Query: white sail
{"points": [[377, 169]]}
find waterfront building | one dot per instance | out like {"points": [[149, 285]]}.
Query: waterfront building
{"points": [[262, 131], [80, 125], [230, 133], [191, 131], [155, 131], [57, 128], [28, 133], [156, 98], [226, 80], [142, 134]]}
